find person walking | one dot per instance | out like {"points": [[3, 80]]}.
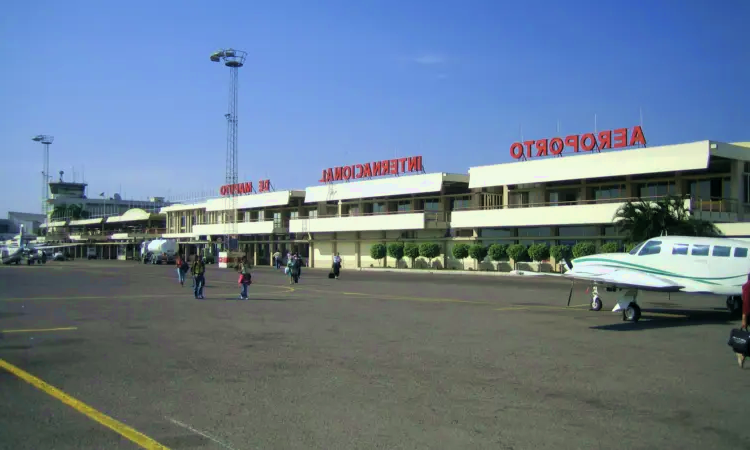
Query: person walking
{"points": [[336, 265], [745, 313], [277, 259], [198, 270], [244, 280], [293, 266]]}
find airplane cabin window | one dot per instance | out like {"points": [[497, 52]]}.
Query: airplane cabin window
{"points": [[635, 249], [720, 250], [700, 250], [680, 249], [651, 248], [740, 252]]}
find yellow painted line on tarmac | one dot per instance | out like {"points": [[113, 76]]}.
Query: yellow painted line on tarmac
{"points": [[513, 308], [118, 427], [39, 330]]}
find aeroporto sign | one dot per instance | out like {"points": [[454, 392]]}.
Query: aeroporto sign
{"points": [[245, 188], [579, 142], [374, 169]]}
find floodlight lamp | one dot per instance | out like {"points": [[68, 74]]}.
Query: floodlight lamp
{"points": [[37, 138]]}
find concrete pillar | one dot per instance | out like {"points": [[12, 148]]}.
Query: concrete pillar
{"points": [[737, 189], [357, 256], [340, 207], [311, 259], [506, 200], [255, 254]]}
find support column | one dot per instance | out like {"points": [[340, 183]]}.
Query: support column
{"points": [[255, 254], [357, 255]]}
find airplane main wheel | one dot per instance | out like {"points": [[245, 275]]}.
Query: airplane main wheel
{"points": [[632, 313], [596, 304], [734, 305]]}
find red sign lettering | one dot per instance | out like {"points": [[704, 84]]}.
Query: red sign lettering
{"points": [[245, 188], [587, 142], [373, 169]]}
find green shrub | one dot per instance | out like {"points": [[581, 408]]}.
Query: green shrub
{"points": [[429, 250], [411, 251], [517, 252], [377, 252], [396, 251], [478, 252], [559, 252], [498, 252], [584, 249], [461, 251], [539, 252], [610, 247]]}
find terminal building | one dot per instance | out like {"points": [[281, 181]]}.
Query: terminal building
{"points": [[558, 191], [112, 226]]}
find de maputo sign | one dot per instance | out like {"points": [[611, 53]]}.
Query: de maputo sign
{"points": [[245, 188], [374, 169], [619, 138]]}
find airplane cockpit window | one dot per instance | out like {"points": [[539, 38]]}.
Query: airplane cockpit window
{"points": [[635, 249], [700, 250], [722, 251], [680, 249], [740, 252], [650, 248]]}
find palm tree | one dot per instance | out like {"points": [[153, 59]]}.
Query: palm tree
{"points": [[642, 220]]}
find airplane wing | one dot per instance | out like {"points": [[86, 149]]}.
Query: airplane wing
{"points": [[43, 247], [620, 278]]}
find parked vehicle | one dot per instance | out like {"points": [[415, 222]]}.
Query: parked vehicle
{"points": [[161, 251]]}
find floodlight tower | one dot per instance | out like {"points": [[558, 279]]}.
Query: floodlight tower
{"points": [[46, 140], [234, 59]]}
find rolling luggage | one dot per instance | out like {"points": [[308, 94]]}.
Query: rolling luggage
{"points": [[331, 275], [739, 340]]}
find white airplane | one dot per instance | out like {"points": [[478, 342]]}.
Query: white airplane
{"points": [[17, 251], [696, 265]]}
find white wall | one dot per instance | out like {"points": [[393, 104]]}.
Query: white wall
{"points": [[265, 200], [547, 215], [382, 187], [406, 221], [667, 158], [265, 227]]}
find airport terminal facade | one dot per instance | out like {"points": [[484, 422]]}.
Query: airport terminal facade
{"points": [[557, 191]]}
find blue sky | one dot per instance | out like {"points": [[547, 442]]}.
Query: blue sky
{"points": [[130, 95]]}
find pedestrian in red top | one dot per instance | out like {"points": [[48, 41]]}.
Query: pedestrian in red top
{"points": [[745, 312]]}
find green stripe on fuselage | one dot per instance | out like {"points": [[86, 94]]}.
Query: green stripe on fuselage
{"points": [[623, 264]]}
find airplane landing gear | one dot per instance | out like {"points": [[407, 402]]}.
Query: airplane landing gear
{"points": [[596, 301], [631, 312], [734, 305]]}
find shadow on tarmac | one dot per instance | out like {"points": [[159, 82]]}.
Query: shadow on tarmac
{"points": [[689, 318]]}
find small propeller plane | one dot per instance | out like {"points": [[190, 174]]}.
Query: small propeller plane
{"points": [[17, 251], [695, 265]]}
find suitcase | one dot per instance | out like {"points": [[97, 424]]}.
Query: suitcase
{"points": [[331, 275], [739, 340]]}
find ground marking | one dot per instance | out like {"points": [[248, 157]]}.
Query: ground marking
{"points": [[118, 427], [188, 427], [39, 330], [119, 297]]}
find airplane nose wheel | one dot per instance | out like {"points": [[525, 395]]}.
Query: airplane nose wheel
{"points": [[632, 313], [596, 303]]}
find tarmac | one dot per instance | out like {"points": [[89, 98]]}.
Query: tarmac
{"points": [[115, 354]]}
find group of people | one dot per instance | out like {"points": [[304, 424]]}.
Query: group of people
{"points": [[197, 270]]}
